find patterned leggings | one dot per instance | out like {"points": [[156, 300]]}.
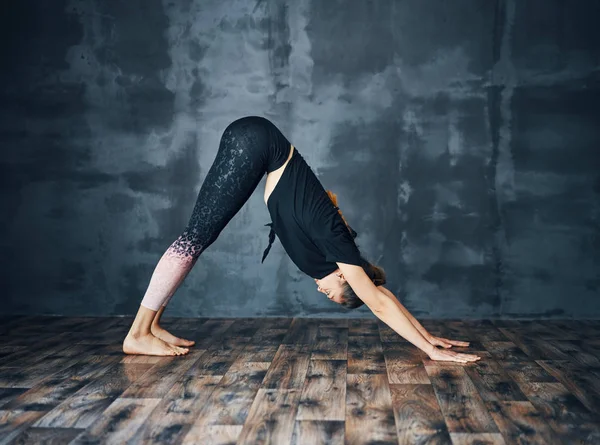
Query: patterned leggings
{"points": [[249, 148]]}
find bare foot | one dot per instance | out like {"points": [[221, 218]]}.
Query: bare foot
{"points": [[167, 337], [150, 345]]}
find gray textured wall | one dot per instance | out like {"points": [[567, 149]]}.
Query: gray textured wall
{"points": [[461, 137]]}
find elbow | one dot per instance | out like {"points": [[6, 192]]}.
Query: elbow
{"points": [[379, 303]]}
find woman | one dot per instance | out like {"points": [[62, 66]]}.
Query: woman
{"points": [[305, 218]]}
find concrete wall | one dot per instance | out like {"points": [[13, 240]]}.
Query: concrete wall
{"points": [[460, 136]]}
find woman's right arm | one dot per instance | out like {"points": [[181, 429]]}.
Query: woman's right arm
{"points": [[383, 307], [405, 311], [387, 311]]}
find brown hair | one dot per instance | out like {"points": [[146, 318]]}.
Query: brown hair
{"points": [[375, 273], [333, 198]]}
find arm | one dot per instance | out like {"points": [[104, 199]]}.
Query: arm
{"points": [[383, 307], [408, 315], [435, 341], [386, 309]]}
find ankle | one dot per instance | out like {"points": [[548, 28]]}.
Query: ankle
{"points": [[138, 334]]}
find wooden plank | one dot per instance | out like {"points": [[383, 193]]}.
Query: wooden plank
{"points": [[289, 367], [119, 422], [302, 331], [216, 435], [581, 352], [9, 394], [243, 327], [535, 348], [365, 355], [477, 439], [18, 377], [505, 351], [520, 422], [270, 419], [565, 414], [582, 381], [364, 327], [493, 383], [404, 363], [369, 412], [211, 332], [85, 406], [411, 374], [48, 394], [173, 417], [54, 367], [456, 330], [19, 342], [418, 415], [318, 432], [527, 371], [8, 350], [61, 368], [571, 329], [160, 377], [36, 352], [13, 422], [89, 367], [277, 322], [258, 353], [340, 323], [232, 397], [212, 363], [324, 394], [483, 331], [47, 436], [331, 344], [459, 401], [269, 337]]}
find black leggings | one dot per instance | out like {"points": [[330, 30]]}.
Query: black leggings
{"points": [[249, 147]]}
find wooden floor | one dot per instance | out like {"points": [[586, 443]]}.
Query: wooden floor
{"points": [[299, 381]]}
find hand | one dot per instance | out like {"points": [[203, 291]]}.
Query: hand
{"points": [[445, 343], [452, 356]]}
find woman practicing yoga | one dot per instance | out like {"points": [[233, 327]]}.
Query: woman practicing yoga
{"points": [[308, 223]]}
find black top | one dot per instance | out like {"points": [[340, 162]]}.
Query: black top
{"points": [[308, 224]]}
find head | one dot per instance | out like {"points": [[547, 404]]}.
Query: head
{"points": [[337, 288]]}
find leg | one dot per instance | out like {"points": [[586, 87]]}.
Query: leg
{"points": [[239, 166], [165, 335]]}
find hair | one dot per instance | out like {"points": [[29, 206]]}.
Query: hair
{"points": [[377, 275]]}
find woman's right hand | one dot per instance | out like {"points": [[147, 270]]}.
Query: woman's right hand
{"points": [[452, 356]]}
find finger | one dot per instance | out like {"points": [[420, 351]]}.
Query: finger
{"points": [[458, 342]]}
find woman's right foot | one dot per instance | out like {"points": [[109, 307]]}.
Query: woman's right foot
{"points": [[150, 345]]}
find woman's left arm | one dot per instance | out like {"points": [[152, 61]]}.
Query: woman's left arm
{"points": [[412, 319], [436, 341]]}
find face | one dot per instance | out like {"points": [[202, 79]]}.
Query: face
{"points": [[331, 285]]}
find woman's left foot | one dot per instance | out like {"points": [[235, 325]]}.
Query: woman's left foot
{"points": [[166, 336]]}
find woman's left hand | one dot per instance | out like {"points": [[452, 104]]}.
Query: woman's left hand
{"points": [[445, 343]]}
